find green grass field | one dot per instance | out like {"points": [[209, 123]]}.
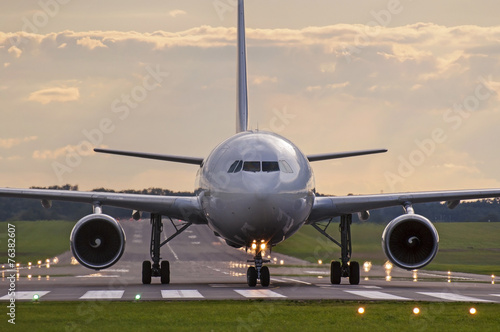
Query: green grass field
{"points": [[256, 315], [463, 247], [36, 240]]}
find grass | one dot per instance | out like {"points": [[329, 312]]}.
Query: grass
{"points": [[253, 315], [463, 247], [36, 240]]}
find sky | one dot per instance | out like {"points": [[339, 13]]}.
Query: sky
{"points": [[419, 78]]}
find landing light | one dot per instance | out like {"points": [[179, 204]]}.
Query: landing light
{"points": [[254, 246], [263, 246]]}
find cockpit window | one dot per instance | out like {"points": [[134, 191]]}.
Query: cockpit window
{"points": [[285, 167], [270, 166], [251, 166], [233, 166], [236, 166], [255, 166]]}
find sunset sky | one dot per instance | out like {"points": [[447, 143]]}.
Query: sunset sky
{"points": [[420, 78]]}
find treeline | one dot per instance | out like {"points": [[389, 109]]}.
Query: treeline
{"points": [[485, 210], [12, 209]]}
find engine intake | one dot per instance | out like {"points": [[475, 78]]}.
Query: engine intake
{"points": [[97, 241], [410, 241]]}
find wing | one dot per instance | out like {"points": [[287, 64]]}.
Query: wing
{"points": [[338, 155], [334, 206], [183, 208]]}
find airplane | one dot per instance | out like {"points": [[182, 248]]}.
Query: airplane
{"points": [[254, 190]]}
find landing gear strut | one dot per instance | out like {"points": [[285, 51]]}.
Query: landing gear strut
{"points": [[345, 268], [159, 268], [259, 272]]}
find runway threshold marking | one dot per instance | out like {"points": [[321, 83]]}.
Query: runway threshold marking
{"points": [[177, 294], [103, 295], [25, 295], [453, 297], [257, 293], [376, 295]]}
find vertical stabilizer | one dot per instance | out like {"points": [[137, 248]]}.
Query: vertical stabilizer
{"points": [[242, 98]]}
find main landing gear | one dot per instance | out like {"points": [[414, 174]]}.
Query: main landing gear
{"points": [[345, 268], [159, 268], [259, 272]]}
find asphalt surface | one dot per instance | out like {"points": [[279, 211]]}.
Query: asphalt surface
{"points": [[204, 267]]}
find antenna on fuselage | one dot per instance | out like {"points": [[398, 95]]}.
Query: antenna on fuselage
{"points": [[242, 97]]}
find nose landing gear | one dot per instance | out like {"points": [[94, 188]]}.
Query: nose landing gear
{"points": [[259, 272]]}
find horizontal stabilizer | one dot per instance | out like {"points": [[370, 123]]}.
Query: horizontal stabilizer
{"points": [[164, 157], [327, 156]]}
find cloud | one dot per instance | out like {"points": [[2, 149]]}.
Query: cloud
{"points": [[258, 80], [8, 143], [15, 51], [80, 150], [176, 12], [57, 94], [89, 43]]}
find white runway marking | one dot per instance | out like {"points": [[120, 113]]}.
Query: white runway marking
{"points": [[177, 294], [453, 297], [103, 295], [24, 295], [376, 295], [257, 293], [297, 281]]}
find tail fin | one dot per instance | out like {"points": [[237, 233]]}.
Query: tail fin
{"points": [[242, 98]]}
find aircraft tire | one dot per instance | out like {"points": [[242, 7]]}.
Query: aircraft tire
{"points": [[265, 276], [354, 273], [335, 273], [252, 276], [165, 272], [146, 272]]}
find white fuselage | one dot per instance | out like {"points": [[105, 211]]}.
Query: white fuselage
{"points": [[256, 186]]}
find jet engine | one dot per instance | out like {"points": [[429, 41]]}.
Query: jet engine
{"points": [[410, 241], [97, 241]]}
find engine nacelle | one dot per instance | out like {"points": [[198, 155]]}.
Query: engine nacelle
{"points": [[97, 241], [410, 241]]}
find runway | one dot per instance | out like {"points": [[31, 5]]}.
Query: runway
{"points": [[205, 268]]}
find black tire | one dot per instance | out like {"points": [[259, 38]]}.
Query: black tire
{"points": [[165, 272], [354, 273], [335, 273], [146, 272], [252, 276], [265, 276]]}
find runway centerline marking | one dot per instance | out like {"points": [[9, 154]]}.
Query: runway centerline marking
{"points": [[453, 297], [103, 295], [257, 293], [24, 295], [376, 295], [177, 294]]}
